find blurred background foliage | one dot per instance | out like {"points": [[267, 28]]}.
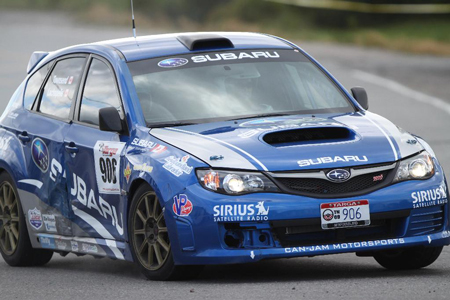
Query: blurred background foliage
{"points": [[419, 33]]}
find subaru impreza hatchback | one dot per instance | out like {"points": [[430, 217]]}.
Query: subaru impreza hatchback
{"points": [[177, 151]]}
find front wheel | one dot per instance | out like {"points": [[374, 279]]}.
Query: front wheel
{"points": [[149, 239], [408, 259], [15, 245]]}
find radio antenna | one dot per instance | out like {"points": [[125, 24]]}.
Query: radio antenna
{"points": [[132, 18]]}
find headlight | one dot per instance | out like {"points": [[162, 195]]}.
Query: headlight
{"points": [[235, 182], [417, 167]]}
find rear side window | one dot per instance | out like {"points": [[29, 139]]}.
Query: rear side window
{"points": [[99, 91], [33, 86], [61, 87]]}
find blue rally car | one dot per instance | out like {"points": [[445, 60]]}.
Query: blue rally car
{"points": [[177, 151]]}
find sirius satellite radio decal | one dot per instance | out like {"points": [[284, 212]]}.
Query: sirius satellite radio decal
{"points": [[173, 62], [39, 153]]}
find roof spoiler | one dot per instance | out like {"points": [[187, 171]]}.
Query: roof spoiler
{"points": [[35, 58]]}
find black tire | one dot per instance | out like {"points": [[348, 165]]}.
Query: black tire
{"points": [[409, 258], [19, 252], [148, 235]]}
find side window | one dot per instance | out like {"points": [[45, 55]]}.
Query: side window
{"points": [[99, 91], [61, 87], [33, 86]]}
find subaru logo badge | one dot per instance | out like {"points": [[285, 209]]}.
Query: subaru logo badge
{"points": [[338, 175], [39, 153], [173, 62]]}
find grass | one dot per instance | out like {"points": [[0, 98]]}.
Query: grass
{"points": [[424, 37]]}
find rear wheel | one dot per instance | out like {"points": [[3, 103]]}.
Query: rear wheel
{"points": [[15, 245], [149, 239], [408, 259]]}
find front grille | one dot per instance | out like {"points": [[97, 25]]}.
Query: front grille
{"points": [[426, 220], [321, 187], [308, 232]]}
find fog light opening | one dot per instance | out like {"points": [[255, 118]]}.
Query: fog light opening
{"points": [[233, 239], [262, 238]]}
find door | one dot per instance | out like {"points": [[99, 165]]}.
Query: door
{"points": [[42, 133], [93, 160]]}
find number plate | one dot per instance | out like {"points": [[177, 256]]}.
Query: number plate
{"points": [[345, 214]]}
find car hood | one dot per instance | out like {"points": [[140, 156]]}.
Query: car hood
{"points": [[292, 143]]}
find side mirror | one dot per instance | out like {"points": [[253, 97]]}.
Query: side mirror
{"points": [[360, 95], [109, 119]]}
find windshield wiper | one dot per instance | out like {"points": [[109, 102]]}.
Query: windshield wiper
{"points": [[260, 116], [170, 124]]}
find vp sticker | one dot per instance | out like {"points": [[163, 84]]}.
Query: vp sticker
{"points": [[107, 166], [182, 206]]}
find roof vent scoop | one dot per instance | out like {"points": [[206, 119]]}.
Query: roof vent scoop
{"points": [[205, 41]]}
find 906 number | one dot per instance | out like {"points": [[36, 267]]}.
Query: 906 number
{"points": [[351, 213], [108, 168]]}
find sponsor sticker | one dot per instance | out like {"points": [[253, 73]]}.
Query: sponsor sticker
{"points": [[151, 146], [39, 153], [182, 206], [430, 197], [143, 168], [60, 244], [74, 246], [50, 223], [241, 212], [177, 166], [35, 218], [47, 242], [62, 80], [107, 166], [86, 196], [127, 172], [344, 246], [55, 93], [234, 56], [88, 248]]}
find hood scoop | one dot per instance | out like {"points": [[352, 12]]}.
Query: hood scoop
{"points": [[307, 136]]}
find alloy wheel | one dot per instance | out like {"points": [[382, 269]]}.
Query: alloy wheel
{"points": [[9, 219], [151, 240]]}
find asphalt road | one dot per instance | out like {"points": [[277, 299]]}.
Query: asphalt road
{"points": [[413, 91]]}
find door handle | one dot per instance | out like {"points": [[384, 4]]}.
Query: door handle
{"points": [[71, 148], [23, 136]]}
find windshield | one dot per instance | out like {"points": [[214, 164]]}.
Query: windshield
{"points": [[230, 85]]}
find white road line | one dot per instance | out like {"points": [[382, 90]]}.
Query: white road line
{"points": [[403, 90]]}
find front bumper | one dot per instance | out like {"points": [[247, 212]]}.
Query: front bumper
{"points": [[405, 220]]}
